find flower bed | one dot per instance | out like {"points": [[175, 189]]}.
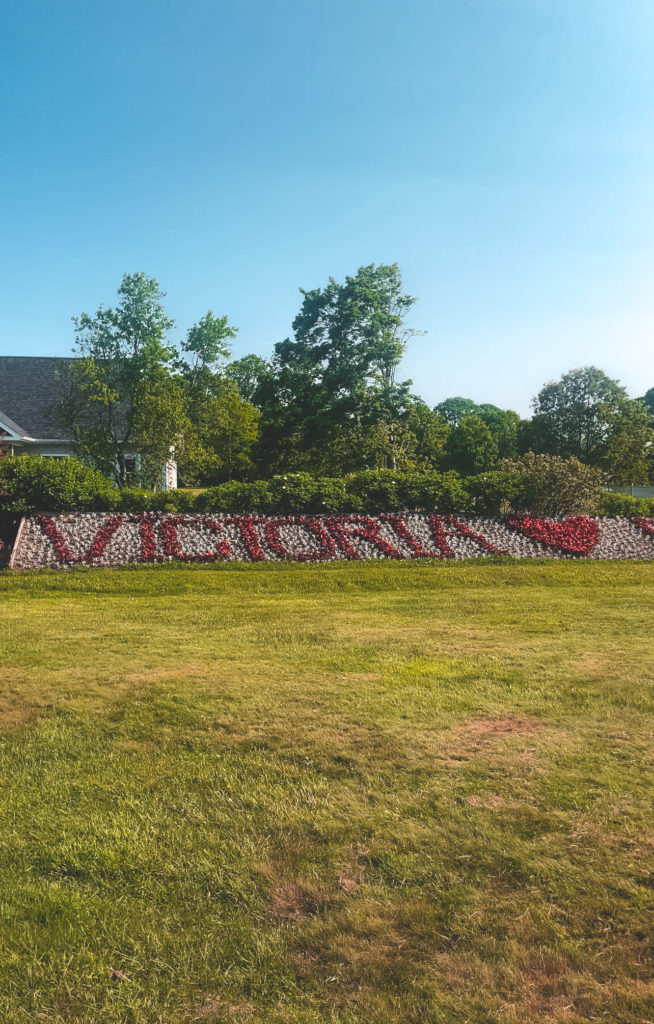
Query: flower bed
{"points": [[99, 539]]}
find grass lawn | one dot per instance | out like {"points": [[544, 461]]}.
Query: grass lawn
{"points": [[341, 793]]}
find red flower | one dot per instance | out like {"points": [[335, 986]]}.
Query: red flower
{"points": [[168, 530], [273, 540], [346, 528], [646, 523], [577, 535]]}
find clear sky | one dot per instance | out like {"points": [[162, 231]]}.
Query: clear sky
{"points": [[500, 151]]}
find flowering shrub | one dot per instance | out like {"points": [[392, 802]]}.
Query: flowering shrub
{"points": [[115, 539]]}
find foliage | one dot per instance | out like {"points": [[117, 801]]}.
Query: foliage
{"points": [[223, 431], [35, 483], [495, 493], [573, 416], [161, 425], [133, 499], [366, 491], [648, 402], [551, 486], [611, 503], [430, 431], [545, 485], [337, 374], [630, 447], [208, 344], [504, 424], [430, 492], [453, 410], [122, 401], [250, 374], [471, 447], [223, 426], [326, 406], [234, 496]]}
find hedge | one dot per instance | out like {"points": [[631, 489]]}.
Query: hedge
{"points": [[31, 484], [611, 504]]}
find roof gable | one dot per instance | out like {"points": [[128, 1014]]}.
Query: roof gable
{"points": [[9, 428], [31, 388]]}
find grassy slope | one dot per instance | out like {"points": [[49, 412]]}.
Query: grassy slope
{"points": [[344, 793]]}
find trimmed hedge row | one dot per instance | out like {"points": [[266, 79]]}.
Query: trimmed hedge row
{"points": [[37, 484]]}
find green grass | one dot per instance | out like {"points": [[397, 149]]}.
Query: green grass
{"points": [[342, 793]]}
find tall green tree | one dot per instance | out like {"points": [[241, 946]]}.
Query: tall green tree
{"points": [[573, 416], [504, 424], [589, 415], [431, 432], [630, 449], [222, 434], [123, 400], [471, 447], [348, 340], [648, 402], [454, 409], [206, 348], [251, 374], [223, 425]]}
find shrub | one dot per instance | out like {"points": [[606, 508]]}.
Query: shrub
{"points": [[542, 484], [373, 490], [548, 485], [293, 493], [37, 483], [234, 496], [496, 493], [432, 492], [330, 496], [134, 499], [610, 504]]}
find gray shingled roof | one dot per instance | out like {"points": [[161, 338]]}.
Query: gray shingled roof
{"points": [[30, 389]]}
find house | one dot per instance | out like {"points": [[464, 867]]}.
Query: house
{"points": [[31, 388]]}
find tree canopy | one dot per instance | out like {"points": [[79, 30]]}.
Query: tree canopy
{"points": [[134, 397], [329, 401]]}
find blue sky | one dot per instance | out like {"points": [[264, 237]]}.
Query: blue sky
{"points": [[500, 151]]}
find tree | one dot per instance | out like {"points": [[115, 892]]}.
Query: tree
{"points": [[223, 426], [471, 447], [454, 409], [648, 402], [223, 432], [628, 458], [431, 432], [208, 345], [573, 416], [161, 425], [250, 374], [504, 424], [122, 399], [338, 371]]}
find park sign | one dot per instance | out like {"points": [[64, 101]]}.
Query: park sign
{"points": [[101, 539]]}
